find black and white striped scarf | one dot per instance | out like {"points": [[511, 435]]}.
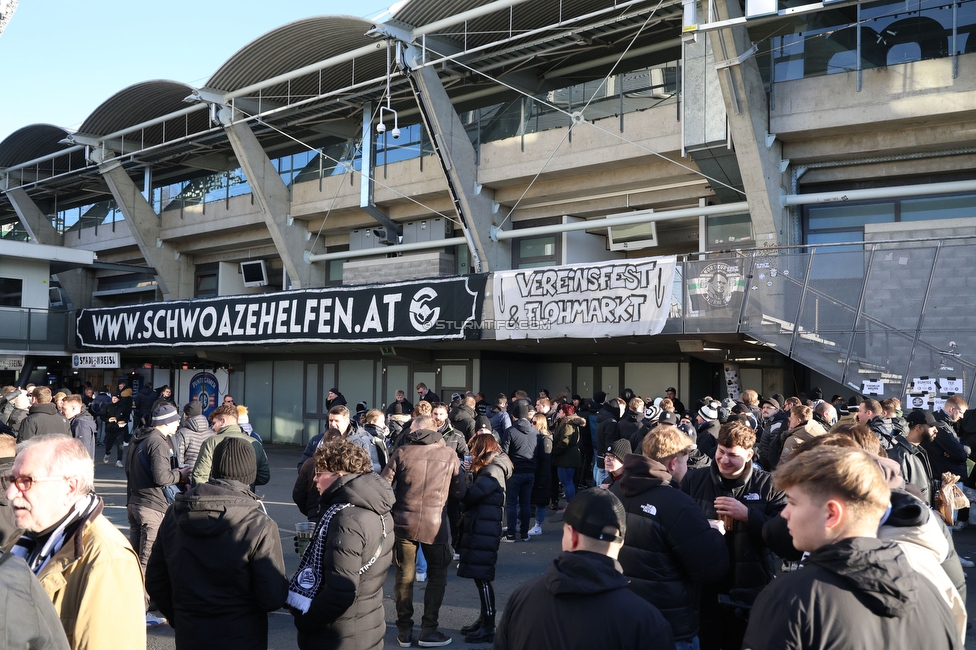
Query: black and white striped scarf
{"points": [[308, 579], [37, 552]]}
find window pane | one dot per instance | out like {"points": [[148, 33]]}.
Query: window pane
{"points": [[938, 207], [849, 216], [537, 247], [11, 290]]}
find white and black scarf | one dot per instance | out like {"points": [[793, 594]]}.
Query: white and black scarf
{"points": [[37, 553], [308, 579]]}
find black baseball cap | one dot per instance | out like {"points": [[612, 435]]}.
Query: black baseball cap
{"points": [[598, 514], [918, 416]]}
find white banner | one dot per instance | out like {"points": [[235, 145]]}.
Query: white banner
{"points": [[618, 298]]}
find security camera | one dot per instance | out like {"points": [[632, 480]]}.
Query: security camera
{"points": [[381, 128], [395, 133]]}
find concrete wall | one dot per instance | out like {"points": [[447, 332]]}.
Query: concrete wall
{"points": [[411, 266], [36, 277]]}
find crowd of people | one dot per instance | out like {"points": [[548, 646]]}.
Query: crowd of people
{"points": [[736, 523]]}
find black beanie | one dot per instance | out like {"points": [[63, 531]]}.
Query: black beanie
{"points": [[234, 460], [481, 422], [599, 397], [193, 409], [520, 409]]}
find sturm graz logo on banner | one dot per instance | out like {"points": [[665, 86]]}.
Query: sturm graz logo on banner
{"points": [[434, 309]]}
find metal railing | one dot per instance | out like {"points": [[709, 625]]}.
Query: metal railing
{"points": [[882, 311], [36, 330]]}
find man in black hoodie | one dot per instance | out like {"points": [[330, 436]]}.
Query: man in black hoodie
{"points": [[217, 568], [852, 590], [582, 586]]}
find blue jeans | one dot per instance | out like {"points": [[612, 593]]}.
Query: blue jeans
{"points": [[566, 478], [691, 644], [421, 561], [540, 515], [518, 491]]}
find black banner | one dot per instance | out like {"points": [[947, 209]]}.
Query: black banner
{"points": [[427, 310]]}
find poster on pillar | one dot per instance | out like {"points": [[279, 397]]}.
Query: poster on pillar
{"points": [[427, 310], [619, 298]]}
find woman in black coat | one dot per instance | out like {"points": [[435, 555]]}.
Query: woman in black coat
{"points": [[481, 528], [336, 595]]}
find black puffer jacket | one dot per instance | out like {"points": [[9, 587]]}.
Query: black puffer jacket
{"points": [[142, 403], [752, 562], [16, 420], [42, 419], [629, 425], [857, 593], [523, 444], [558, 610], [882, 429], [481, 521], [670, 549], [347, 611], [217, 569]]}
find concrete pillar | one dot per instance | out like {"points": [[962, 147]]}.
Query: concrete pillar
{"points": [[78, 283], [174, 271], [474, 204], [290, 236], [747, 107]]}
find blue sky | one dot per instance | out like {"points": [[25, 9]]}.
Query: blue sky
{"points": [[62, 58]]}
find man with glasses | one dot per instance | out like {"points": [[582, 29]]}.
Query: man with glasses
{"points": [[85, 565]]}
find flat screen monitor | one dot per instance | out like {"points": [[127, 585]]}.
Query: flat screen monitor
{"points": [[254, 273]]}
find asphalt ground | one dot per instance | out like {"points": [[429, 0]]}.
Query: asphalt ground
{"points": [[516, 562]]}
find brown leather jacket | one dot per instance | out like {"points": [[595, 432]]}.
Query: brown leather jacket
{"points": [[424, 471]]}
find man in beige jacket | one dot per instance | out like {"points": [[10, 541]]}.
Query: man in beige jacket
{"points": [[85, 565]]}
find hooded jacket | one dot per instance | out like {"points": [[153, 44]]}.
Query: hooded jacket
{"points": [[523, 444], [201, 469], [42, 419], [424, 472], [347, 612], [751, 561], [881, 428], [217, 569], [558, 610], [670, 549], [83, 428], [856, 593], [190, 438], [481, 521], [150, 448], [464, 421]]}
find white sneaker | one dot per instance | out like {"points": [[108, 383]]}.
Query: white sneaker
{"points": [[421, 577], [154, 621], [118, 464], [536, 530], [966, 562], [105, 460]]}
